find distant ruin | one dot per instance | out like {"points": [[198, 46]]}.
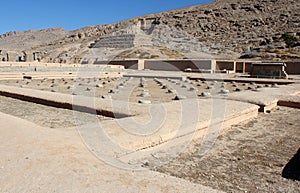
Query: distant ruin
{"points": [[24, 56], [133, 36], [269, 70]]}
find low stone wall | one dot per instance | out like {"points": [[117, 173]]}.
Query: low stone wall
{"points": [[178, 65], [127, 64], [37, 64], [59, 100], [225, 65], [111, 65], [293, 67], [172, 128]]}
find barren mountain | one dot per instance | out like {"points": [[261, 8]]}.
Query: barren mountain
{"points": [[265, 29], [25, 40]]}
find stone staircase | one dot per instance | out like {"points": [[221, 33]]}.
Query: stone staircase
{"points": [[142, 39], [126, 38]]}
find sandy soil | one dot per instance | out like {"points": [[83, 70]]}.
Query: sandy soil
{"points": [[46, 116], [249, 157]]}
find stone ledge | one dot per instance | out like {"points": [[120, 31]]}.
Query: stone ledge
{"points": [[78, 103]]}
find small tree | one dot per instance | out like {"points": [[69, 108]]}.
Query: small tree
{"points": [[289, 39]]}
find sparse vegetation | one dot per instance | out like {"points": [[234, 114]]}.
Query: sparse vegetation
{"points": [[171, 53], [289, 39]]}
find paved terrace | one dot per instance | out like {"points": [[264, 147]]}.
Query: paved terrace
{"points": [[138, 130], [38, 159]]}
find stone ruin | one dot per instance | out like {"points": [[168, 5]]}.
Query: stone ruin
{"points": [[24, 56], [133, 36], [269, 70]]}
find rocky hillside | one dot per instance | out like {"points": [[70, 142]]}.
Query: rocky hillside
{"points": [[249, 28], [17, 40], [264, 29]]}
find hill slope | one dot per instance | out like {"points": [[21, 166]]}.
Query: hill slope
{"points": [[267, 29], [25, 40]]}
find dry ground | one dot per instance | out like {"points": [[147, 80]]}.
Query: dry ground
{"points": [[158, 94], [46, 116], [249, 157]]}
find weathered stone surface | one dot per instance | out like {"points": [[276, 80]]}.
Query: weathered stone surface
{"points": [[106, 97], [205, 94], [210, 87], [238, 89], [171, 91], [99, 86], [224, 91], [145, 94], [144, 101], [180, 97]]}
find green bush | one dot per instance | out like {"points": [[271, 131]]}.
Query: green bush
{"points": [[289, 39]]}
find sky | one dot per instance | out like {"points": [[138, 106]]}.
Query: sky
{"points": [[21, 15]]}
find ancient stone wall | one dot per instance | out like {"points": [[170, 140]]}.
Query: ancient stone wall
{"points": [[240, 67], [178, 65], [12, 56], [225, 65], [116, 41], [128, 64], [29, 57], [293, 68]]}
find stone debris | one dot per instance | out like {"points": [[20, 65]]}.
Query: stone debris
{"points": [[210, 87], [99, 86], [172, 91], [192, 89], [145, 94], [180, 97], [205, 94], [113, 91], [144, 102], [224, 91], [238, 89], [106, 97], [71, 87], [164, 87]]}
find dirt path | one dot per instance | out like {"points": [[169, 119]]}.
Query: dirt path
{"points": [[248, 157]]}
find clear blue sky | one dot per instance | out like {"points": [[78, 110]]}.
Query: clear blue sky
{"points": [[72, 14]]}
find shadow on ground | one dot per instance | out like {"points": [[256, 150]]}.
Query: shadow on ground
{"points": [[292, 169]]}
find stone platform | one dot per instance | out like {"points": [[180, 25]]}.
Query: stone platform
{"points": [[98, 155], [38, 159]]}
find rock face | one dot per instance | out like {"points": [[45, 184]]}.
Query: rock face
{"points": [[25, 40], [229, 29]]}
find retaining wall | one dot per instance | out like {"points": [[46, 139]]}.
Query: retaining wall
{"points": [[178, 65]]}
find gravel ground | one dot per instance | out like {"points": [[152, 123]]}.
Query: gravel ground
{"points": [[249, 157], [158, 93]]}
